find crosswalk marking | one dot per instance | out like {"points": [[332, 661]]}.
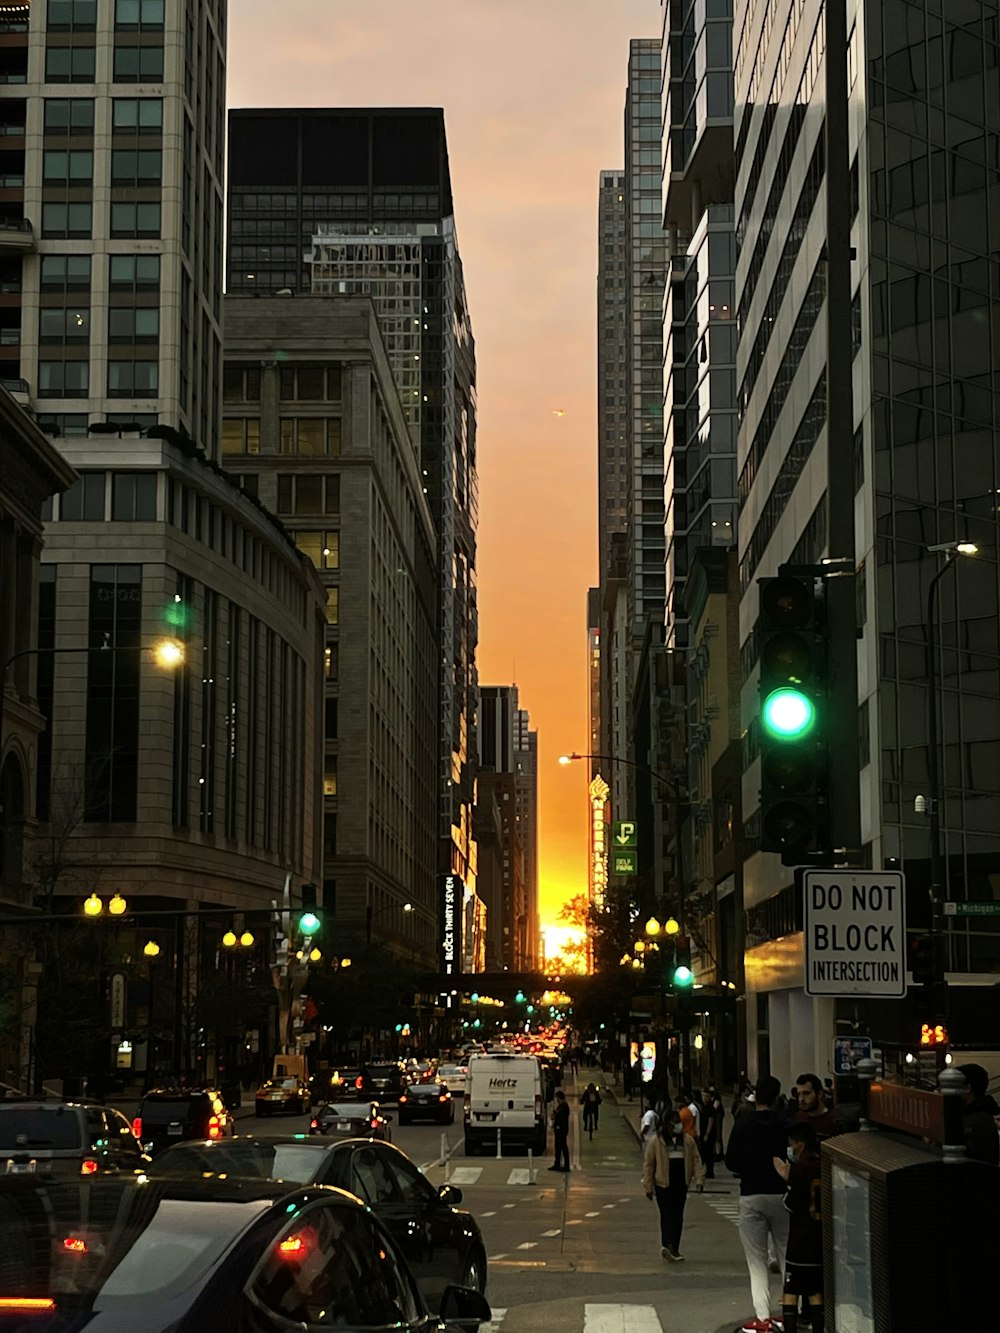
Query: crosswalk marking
{"points": [[491, 1213], [611, 1205], [551, 1233], [527, 1244], [725, 1207], [519, 1176], [510, 1205], [591, 1214], [574, 1221], [621, 1319], [465, 1175]]}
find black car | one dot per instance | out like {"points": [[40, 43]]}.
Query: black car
{"points": [[178, 1255], [351, 1120], [440, 1242], [426, 1101], [384, 1082], [69, 1139], [335, 1085], [170, 1115]]}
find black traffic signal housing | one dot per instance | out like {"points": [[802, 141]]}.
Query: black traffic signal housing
{"points": [[793, 717], [927, 958]]}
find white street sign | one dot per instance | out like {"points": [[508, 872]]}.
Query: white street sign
{"points": [[855, 929]]}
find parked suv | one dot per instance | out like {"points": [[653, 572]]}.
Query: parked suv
{"points": [[170, 1115], [60, 1138]]}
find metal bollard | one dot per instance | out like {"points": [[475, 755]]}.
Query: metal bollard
{"points": [[531, 1167], [499, 1153], [444, 1148]]}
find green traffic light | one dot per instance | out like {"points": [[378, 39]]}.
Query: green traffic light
{"points": [[683, 976], [177, 614], [520, 997], [788, 714], [309, 923]]}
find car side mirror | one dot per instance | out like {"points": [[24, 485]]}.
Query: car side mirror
{"points": [[450, 1194], [463, 1307]]}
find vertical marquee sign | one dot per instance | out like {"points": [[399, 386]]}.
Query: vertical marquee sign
{"points": [[452, 896]]}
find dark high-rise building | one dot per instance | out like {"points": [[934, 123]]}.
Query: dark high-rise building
{"points": [[358, 202]]}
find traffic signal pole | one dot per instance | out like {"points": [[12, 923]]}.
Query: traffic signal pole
{"points": [[845, 802]]}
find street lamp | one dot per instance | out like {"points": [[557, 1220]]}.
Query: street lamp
{"points": [[151, 949], [950, 550], [371, 914], [94, 906]]}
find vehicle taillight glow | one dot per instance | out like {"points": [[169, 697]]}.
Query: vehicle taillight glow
{"points": [[359, 1082], [403, 1097], [137, 1127], [443, 1097], [314, 1124], [40, 1303], [295, 1247], [75, 1245], [214, 1127], [88, 1167]]}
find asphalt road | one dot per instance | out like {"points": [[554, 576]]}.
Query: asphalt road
{"points": [[580, 1253]]}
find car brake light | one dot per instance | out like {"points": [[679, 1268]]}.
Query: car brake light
{"points": [[88, 1167], [314, 1124], [137, 1127], [214, 1127], [403, 1097], [75, 1245], [443, 1097], [26, 1303], [359, 1082]]}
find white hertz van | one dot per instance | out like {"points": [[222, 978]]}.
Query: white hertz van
{"points": [[504, 1092]]}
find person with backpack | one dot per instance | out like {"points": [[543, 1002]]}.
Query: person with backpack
{"points": [[590, 1100]]}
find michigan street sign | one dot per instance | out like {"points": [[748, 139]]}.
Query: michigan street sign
{"points": [[972, 909], [855, 931]]}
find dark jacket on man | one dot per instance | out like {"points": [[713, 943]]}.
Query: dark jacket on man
{"points": [[756, 1139], [982, 1141]]}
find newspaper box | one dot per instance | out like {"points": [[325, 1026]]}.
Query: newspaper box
{"points": [[908, 1220]]}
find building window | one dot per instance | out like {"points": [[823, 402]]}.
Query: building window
{"points": [[240, 435], [57, 325], [331, 661], [84, 501], [133, 497], [329, 845], [66, 15], [133, 167], [62, 167], [138, 273], [69, 221], [322, 548], [137, 115], [65, 273], [330, 776], [63, 379], [70, 64], [311, 436], [241, 384], [60, 424], [139, 13], [135, 220], [333, 606], [330, 719], [112, 745], [138, 64], [133, 324], [310, 384], [69, 115], [299, 494], [126, 379]]}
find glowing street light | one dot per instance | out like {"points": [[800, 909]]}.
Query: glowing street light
{"points": [[151, 949], [117, 906], [93, 906], [168, 653]]}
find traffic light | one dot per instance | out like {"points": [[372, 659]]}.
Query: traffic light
{"points": [[310, 920], [683, 974], [793, 717], [933, 1034], [927, 959]]}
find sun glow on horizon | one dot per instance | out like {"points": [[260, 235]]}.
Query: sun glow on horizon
{"points": [[565, 944]]}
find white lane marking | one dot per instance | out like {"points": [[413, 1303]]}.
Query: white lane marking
{"points": [[494, 1258], [465, 1175], [625, 1200], [510, 1205], [574, 1222], [552, 1233], [491, 1213], [611, 1205], [621, 1319], [527, 1244], [591, 1214], [519, 1176]]}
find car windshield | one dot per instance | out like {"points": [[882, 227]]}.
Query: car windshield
{"points": [[383, 1071], [350, 1111], [157, 1108], [41, 1127], [105, 1244], [452, 1071], [295, 1162]]}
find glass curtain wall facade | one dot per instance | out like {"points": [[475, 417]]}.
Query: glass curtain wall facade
{"points": [[111, 219], [613, 462], [924, 130]]}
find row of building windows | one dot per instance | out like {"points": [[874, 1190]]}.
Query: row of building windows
{"points": [[308, 383], [312, 437], [128, 221], [71, 379], [70, 116], [74, 168], [78, 64], [72, 273], [81, 15], [125, 324]]}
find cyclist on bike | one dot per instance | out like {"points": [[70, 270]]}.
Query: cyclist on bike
{"points": [[590, 1100]]}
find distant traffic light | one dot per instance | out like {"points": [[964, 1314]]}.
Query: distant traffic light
{"points": [[793, 717], [927, 958], [310, 924], [683, 973]]}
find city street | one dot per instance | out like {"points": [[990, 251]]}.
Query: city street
{"points": [[580, 1253]]}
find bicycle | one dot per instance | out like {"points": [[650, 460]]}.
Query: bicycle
{"points": [[590, 1118]]}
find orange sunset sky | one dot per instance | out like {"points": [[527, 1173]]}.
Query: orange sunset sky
{"points": [[533, 93]]}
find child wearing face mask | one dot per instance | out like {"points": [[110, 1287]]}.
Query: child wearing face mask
{"points": [[804, 1255]]}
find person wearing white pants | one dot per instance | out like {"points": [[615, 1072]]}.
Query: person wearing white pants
{"points": [[756, 1140]]}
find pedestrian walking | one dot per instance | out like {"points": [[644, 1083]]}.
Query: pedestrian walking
{"points": [[670, 1165], [810, 1107], [804, 1255], [711, 1129], [756, 1140], [560, 1132], [648, 1126], [686, 1115], [590, 1100]]}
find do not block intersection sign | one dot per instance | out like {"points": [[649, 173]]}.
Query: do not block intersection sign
{"points": [[855, 931]]}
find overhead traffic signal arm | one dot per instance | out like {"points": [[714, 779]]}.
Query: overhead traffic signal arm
{"points": [[793, 716]]}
